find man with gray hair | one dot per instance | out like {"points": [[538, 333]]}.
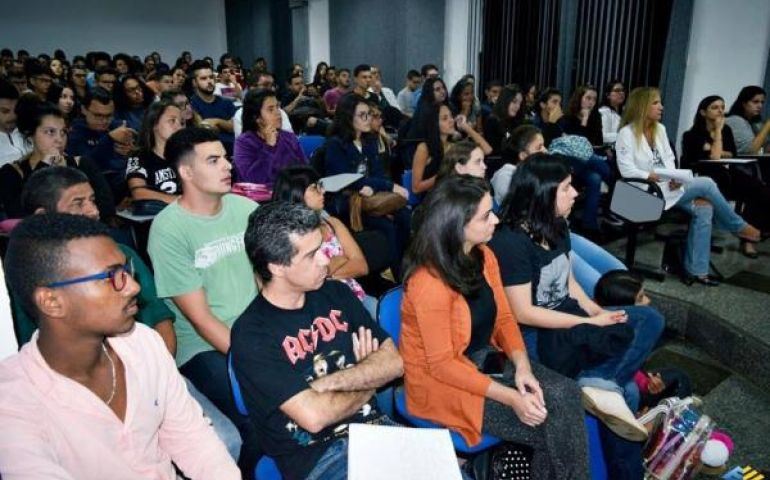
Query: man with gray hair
{"points": [[306, 354]]}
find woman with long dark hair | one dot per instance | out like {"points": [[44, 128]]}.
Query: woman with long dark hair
{"points": [[456, 327], [463, 101], [710, 138], [565, 330], [319, 77], [149, 175], [264, 149], [582, 117], [642, 148], [752, 133], [302, 184], [351, 148], [64, 98], [507, 114]]}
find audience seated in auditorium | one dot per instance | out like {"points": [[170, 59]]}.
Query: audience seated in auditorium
{"points": [[302, 184], [149, 175], [566, 331], [264, 149], [87, 337], [752, 134], [642, 147], [611, 110], [301, 396], [710, 138], [404, 98], [215, 111], [453, 291], [13, 145], [352, 149], [67, 190], [201, 269], [43, 126]]}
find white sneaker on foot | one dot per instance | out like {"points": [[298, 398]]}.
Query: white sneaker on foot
{"points": [[612, 410]]}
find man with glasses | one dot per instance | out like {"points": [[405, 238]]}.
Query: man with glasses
{"points": [[102, 139], [78, 76], [106, 78], [93, 394], [40, 79]]}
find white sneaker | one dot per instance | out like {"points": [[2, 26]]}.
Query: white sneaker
{"points": [[612, 410]]}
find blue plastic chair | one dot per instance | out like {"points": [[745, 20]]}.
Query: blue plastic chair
{"points": [[266, 468], [309, 143], [389, 318], [406, 182]]}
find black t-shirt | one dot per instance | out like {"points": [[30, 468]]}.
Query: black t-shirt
{"points": [[483, 313], [277, 353], [522, 261], [159, 174]]}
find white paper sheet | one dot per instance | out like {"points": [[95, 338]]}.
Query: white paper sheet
{"points": [[335, 183], [377, 452], [738, 161]]}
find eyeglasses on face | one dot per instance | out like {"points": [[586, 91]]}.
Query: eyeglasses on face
{"points": [[363, 115], [118, 276]]}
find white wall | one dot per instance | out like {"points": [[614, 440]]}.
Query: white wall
{"points": [[319, 48], [729, 49], [456, 38], [136, 27]]}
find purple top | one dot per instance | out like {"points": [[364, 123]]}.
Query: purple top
{"points": [[257, 162]]}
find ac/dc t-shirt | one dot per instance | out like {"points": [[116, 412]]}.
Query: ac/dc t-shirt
{"points": [[277, 353], [522, 261], [159, 174]]}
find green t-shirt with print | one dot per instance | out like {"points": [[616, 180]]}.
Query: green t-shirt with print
{"points": [[190, 252]]}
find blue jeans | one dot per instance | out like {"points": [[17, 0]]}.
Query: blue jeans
{"points": [[591, 173], [616, 372], [224, 428], [698, 253]]}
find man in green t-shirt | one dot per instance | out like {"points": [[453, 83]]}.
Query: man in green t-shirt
{"points": [[201, 268], [66, 190]]}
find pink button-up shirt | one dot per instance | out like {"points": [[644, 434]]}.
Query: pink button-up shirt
{"points": [[52, 427]]}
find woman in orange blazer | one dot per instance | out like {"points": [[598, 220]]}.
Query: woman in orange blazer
{"points": [[465, 363]]}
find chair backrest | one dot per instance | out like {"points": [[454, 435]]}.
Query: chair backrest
{"points": [[406, 182], [389, 312], [309, 143], [637, 201], [235, 388]]}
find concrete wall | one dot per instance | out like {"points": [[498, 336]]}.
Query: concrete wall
{"points": [[396, 35], [136, 27], [729, 49]]}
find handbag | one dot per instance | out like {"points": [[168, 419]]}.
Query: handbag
{"points": [[378, 204], [673, 450], [506, 461]]}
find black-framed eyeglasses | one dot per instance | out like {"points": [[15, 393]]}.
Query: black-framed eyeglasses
{"points": [[118, 276]]}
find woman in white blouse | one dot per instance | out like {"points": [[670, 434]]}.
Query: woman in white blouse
{"points": [[611, 109], [642, 148]]}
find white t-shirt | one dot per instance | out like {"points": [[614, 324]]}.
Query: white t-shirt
{"points": [[8, 345]]}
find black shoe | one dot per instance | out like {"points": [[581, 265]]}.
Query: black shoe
{"points": [[706, 280], [746, 253]]}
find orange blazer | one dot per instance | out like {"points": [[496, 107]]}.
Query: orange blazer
{"points": [[441, 383]]}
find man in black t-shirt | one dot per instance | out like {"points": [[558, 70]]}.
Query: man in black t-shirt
{"points": [[305, 352]]}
